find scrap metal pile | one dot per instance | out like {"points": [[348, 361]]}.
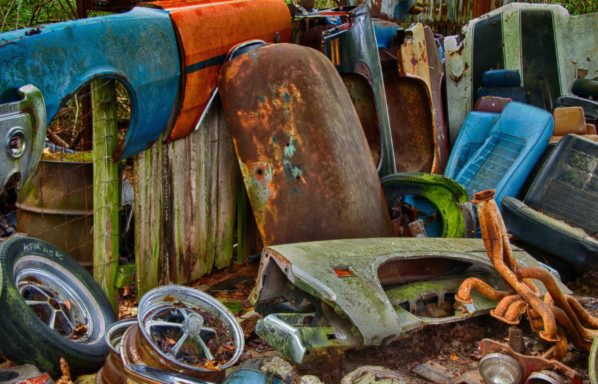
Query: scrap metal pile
{"points": [[361, 161]]}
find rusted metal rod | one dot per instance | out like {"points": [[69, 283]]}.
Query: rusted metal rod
{"points": [[474, 284]]}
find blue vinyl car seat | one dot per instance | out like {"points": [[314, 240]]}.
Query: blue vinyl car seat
{"points": [[500, 151]]}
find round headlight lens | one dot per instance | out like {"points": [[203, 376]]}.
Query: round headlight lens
{"points": [[496, 368]]}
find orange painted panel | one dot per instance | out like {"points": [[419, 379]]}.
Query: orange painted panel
{"points": [[207, 30]]}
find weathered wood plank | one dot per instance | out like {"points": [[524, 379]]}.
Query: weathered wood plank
{"points": [[186, 206], [106, 187], [149, 213]]}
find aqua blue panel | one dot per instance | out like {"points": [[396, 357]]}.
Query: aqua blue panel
{"points": [[473, 133], [506, 158], [386, 32], [138, 48]]}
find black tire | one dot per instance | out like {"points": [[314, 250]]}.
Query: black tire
{"points": [[24, 337]]}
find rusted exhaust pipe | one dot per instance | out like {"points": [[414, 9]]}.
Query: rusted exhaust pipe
{"points": [[498, 248]]}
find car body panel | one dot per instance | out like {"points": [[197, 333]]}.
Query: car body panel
{"points": [[346, 36], [23, 132], [207, 30], [439, 201], [138, 48], [413, 80], [304, 157], [512, 35], [360, 311]]}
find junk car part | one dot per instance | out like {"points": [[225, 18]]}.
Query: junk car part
{"points": [[557, 215], [440, 202], [224, 25], [413, 81], [305, 163], [366, 291], [499, 151], [23, 129], [53, 306], [509, 37], [533, 369], [346, 36], [555, 316], [179, 330], [166, 92], [24, 374], [113, 370], [571, 120], [61, 58]]}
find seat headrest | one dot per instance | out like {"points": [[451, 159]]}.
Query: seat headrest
{"points": [[501, 78], [569, 120], [493, 104], [585, 88]]}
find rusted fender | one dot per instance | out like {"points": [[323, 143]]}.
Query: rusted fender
{"points": [[207, 30], [138, 48], [303, 155], [346, 36], [413, 77]]}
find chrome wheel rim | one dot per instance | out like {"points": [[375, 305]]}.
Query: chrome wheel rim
{"points": [[52, 299]]}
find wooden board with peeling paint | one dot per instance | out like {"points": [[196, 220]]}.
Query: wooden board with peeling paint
{"points": [[185, 206]]}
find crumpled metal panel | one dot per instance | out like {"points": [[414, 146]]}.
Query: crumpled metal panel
{"points": [[207, 30], [360, 294], [575, 58], [303, 155], [138, 48], [346, 36], [22, 134]]}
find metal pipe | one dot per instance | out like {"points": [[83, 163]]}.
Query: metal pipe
{"points": [[496, 241], [473, 283], [559, 299]]}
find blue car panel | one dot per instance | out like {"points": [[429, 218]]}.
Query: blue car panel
{"points": [[138, 48], [514, 145]]}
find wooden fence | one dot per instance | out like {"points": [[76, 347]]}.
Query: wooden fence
{"points": [[186, 206]]}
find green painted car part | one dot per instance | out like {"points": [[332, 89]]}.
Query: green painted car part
{"points": [[441, 202], [362, 292]]}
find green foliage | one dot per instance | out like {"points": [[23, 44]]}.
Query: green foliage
{"points": [[578, 7], [15, 14]]}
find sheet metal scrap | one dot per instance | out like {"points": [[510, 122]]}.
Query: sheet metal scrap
{"points": [[223, 25], [346, 36], [555, 316], [303, 155], [413, 80], [23, 132]]}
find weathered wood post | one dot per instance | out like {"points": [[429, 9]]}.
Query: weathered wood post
{"points": [[106, 187]]}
